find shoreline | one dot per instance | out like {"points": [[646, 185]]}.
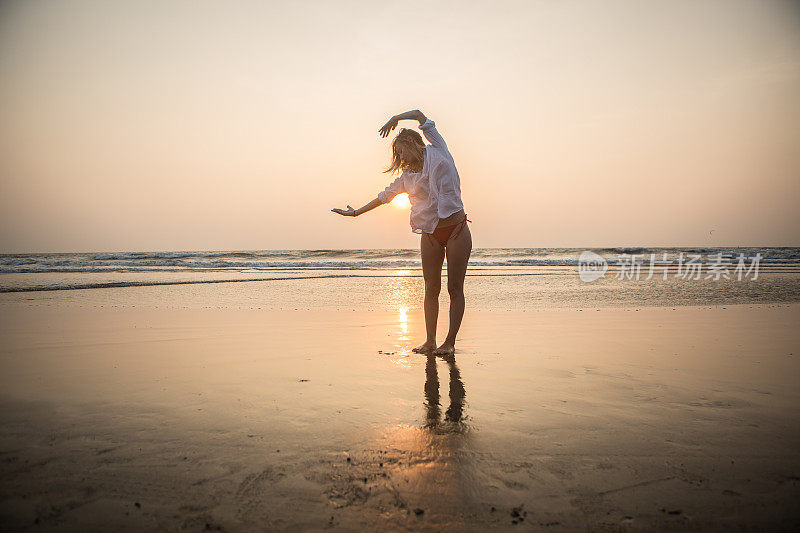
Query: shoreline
{"points": [[230, 419]]}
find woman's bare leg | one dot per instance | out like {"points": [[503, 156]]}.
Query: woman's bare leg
{"points": [[432, 259], [458, 250], [432, 407]]}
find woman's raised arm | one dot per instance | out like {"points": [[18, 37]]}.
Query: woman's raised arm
{"points": [[415, 114]]}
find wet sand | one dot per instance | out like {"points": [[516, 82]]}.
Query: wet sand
{"points": [[648, 418]]}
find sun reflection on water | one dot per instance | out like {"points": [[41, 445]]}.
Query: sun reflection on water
{"points": [[403, 312], [402, 290]]}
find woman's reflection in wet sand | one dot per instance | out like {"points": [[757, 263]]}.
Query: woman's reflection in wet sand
{"points": [[454, 416], [434, 465]]}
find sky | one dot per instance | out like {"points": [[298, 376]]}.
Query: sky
{"points": [[151, 125]]}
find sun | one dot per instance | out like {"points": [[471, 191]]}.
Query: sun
{"points": [[401, 201]]}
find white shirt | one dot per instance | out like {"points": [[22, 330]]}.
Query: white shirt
{"points": [[435, 192]]}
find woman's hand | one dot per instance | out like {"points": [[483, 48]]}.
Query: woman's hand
{"points": [[349, 212], [388, 127]]}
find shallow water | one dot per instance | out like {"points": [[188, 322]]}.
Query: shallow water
{"points": [[552, 287], [246, 419]]}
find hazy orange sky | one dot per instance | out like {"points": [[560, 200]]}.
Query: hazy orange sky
{"points": [[156, 125]]}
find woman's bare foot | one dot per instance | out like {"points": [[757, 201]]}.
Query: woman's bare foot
{"points": [[425, 348], [445, 349]]}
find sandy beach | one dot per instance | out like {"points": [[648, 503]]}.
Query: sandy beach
{"points": [[641, 418], [223, 224]]}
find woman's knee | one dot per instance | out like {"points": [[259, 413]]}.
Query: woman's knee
{"points": [[433, 287], [455, 288]]}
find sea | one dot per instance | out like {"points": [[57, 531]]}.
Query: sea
{"points": [[497, 278]]}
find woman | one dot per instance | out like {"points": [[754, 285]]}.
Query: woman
{"points": [[430, 178]]}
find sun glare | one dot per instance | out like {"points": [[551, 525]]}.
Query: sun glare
{"points": [[401, 201]]}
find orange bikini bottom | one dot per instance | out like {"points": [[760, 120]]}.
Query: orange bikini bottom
{"points": [[443, 233]]}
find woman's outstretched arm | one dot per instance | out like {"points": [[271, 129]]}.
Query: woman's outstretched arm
{"points": [[415, 114], [350, 212]]}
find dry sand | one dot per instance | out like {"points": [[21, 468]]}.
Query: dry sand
{"points": [[138, 419]]}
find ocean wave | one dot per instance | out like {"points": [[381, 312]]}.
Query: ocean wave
{"points": [[114, 284], [383, 259], [65, 286], [629, 250], [265, 254]]}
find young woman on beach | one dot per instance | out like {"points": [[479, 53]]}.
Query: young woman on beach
{"points": [[429, 176]]}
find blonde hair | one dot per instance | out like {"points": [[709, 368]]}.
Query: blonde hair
{"points": [[413, 141]]}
